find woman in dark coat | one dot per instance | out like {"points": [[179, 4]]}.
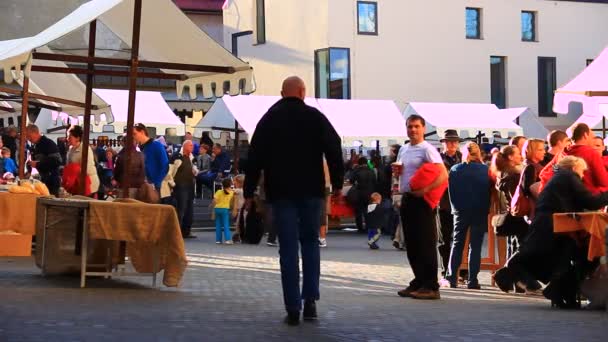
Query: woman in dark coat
{"points": [[543, 255], [363, 180]]}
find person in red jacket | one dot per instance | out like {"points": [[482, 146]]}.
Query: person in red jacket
{"points": [[598, 145], [596, 176]]}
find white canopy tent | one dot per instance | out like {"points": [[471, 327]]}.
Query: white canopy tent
{"points": [[135, 19], [467, 118], [150, 109], [356, 121], [66, 86], [157, 43]]}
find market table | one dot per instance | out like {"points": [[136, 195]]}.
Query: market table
{"points": [[18, 212], [593, 223], [151, 231]]}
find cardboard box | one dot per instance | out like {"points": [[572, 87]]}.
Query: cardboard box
{"points": [[15, 245]]}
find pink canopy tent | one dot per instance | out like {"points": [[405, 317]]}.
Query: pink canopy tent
{"points": [[469, 118], [354, 120], [589, 88], [150, 109]]}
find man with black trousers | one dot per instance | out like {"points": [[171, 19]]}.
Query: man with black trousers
{"points": [[183, 192], [451, 156], [419, 219], [295, 188]]}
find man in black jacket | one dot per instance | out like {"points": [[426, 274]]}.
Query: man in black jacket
{"points": [[45, 158], [288, 145]]}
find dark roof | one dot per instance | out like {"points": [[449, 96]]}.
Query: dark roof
{"points": [[200, 5]]}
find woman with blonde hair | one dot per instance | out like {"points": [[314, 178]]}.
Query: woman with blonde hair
{"points": [[534, 154], [469, 189], [549, 257]]}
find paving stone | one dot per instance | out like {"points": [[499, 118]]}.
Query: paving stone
{"points": [[233, 293]]}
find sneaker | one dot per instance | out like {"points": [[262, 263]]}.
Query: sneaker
{"points": [[446, 283], [271, 244], [310, 311], [292, 318], [426, 294], [373, 245], [322, 243], [406, 293], [229, 242], [218, 242]]}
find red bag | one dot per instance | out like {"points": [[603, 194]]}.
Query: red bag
{"points": [[520, 204], [425, 176], [339, 207], [71, 177]]}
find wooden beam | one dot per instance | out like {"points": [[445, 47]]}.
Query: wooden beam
{"points": [[115, 73], [25, 95], [80, 59], [133, 65], [142, 64], [7, 109], [187, 67], [47, 98], [88, 99]]}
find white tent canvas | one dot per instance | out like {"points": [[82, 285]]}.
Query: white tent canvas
{"points": [[150, 109], [467, 118], [356, 121], [157, 43]]}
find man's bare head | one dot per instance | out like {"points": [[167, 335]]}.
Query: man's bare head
{"points": [[294, 87]]}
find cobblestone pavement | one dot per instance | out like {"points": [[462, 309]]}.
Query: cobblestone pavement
{"points": [[233, 293]]}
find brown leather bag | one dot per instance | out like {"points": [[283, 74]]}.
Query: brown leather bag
{"points": [[520, 204], [146, 193]]}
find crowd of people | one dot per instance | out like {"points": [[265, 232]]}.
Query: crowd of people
{"points": [[430, 202]]}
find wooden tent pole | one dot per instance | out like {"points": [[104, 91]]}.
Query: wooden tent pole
{"points": [[22, 136], [132, 87], [88, 99]]}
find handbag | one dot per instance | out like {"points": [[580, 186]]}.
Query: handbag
{"points": [[146, 193], [504, 223], [520, 204]]}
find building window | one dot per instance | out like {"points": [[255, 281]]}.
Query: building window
{"points": [[473, 23], [260, 21], [332, 73], [498, 81], [367, 17], [108, 129], [589, 61], [528, 26], [547, 84]]}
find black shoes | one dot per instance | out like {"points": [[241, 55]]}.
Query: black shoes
{"points": [[310, 311], [190, 236], [503, 279], [292, 318], [310, 314]]}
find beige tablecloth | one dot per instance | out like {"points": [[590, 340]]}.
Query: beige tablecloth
{"points": [[18, 212], [593, 223], [144, 227]]}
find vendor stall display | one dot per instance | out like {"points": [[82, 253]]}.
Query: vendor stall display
{"points": [[151, 231]]}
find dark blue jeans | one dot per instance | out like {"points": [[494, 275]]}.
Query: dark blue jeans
{"points": [[478, 222], [297, 223], [184, 199], [206, 179]]}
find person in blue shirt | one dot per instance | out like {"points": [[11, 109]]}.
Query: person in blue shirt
{"points": [[469, 190], [156, 161], [9, 164], [220, 164]]}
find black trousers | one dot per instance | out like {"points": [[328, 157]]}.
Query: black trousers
{"points": [[420, 235], [446, 219], [184, 198]]}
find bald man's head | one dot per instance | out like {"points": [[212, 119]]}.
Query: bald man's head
{"points": [[294, 87]]}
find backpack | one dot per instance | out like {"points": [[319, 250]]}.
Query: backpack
{"points": [[251, 223]]}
